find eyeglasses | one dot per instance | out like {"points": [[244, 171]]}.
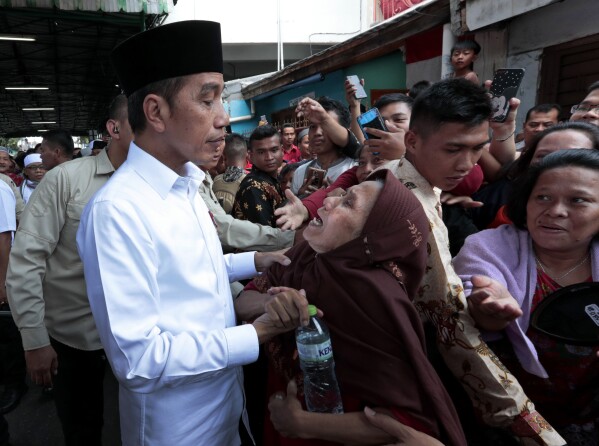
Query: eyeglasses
{"points": [[583, 108]]}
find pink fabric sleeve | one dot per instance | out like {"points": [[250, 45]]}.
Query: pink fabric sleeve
{"points": [[315, 200]]}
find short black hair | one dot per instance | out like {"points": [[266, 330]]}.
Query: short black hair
{"points": [[450, 101], [263, 132], [523, 185], [117, 109], [167, 88], [235, 147], [61, 139], [288, 125], [594, 86], [523, 163], [330, 104], [418, 88], [543, 108], [468, 44], [392, 98], [287, 168]]}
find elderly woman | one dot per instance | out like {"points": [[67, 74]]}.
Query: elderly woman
{"points": [[362, 261], [552, 243], [33, 173]]}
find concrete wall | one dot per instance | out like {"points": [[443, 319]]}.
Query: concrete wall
{"points": [[530, 33], [481, 13]]}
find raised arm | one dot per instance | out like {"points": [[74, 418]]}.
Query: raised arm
{"points": [[354, 109], [502, 149]]}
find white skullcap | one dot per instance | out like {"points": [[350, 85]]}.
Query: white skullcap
{"points": [[32, 158]]}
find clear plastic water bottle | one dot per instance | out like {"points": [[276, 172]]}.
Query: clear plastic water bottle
{"points": [[316, 360]]}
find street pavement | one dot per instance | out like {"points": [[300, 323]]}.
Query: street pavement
{"points": [[35, 423]]}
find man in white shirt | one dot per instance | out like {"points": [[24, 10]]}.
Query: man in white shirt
{"points": [[8, 225], [12, 365], [157, 280]]}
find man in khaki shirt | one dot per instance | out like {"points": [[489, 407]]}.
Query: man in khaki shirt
{"points": [[47, 291], [242, 235]]}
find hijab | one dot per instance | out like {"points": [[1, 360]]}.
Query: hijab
{"points": [[364, 287]]}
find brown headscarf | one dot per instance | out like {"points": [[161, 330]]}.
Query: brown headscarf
{"points": [[364, 289]]}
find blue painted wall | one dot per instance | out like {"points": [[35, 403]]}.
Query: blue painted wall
{"points": [[387, 72]]}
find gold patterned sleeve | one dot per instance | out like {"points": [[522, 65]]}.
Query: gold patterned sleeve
{"points": [[497, 397]]}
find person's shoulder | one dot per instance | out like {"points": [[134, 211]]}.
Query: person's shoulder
{"points": [[252, 177], [77, 166], [505, 237], [5, 185], [123, 185], [302, 168], [6, 191], [8, 180]]}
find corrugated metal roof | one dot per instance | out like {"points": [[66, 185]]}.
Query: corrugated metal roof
{"points": [[70, 56]]}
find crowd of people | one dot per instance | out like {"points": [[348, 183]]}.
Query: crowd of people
{"points": [[181, 258]]}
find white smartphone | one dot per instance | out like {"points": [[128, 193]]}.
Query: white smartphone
{"points": [[355, 81]]}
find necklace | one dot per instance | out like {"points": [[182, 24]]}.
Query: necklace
{"points": [[574, 268]]}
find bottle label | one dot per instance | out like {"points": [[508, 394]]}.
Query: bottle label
{"points": [[315, 352]]}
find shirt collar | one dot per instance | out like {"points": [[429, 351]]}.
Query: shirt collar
{"points": [[160, 177], [103, 164]]}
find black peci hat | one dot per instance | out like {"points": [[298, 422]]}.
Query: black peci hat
{"points": [[176, 49], [570, 314]]}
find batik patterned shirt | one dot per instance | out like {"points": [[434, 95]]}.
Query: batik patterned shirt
{"points": [[257, 198]]}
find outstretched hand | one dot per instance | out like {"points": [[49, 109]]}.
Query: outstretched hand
{"points": [[312, 111], [491, 305], [293, 214], [262, 260], [463, 200]]}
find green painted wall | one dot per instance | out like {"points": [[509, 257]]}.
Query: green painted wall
{"points": [[387, 72]]}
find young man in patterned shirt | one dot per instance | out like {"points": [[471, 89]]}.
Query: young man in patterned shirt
{"points": [[260, 193]]}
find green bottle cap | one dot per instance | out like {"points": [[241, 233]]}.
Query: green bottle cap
{"points": [[312, 310]]}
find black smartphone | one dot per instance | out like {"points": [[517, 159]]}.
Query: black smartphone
{"points": [[506, 83], [373, 119], [355, 81]]}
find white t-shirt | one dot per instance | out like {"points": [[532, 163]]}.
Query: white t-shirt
{"points": [[8, 218], [334, 172]]}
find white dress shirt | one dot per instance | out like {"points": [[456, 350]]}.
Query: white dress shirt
{"points": [[158, 286], [8, 221]]}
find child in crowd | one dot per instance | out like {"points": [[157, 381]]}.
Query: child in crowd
{"points": [[463, 55]]}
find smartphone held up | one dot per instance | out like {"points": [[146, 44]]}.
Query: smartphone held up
{"points": [[505, 86], [316, 177], [355, 81], [372, 119]]}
